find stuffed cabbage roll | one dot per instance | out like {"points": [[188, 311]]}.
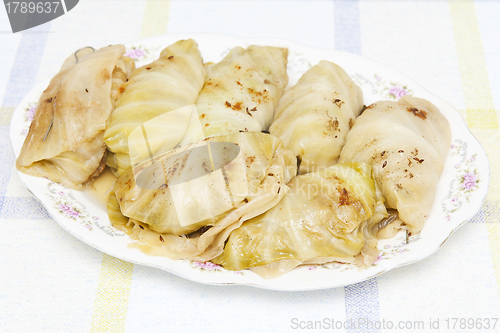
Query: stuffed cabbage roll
{"points": [[314, 116], [171, 197], [326, 216], [169, 83], [242, 91], [65, 140], [406, 142]]}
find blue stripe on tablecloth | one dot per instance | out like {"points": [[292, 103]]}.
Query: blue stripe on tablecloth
{"points": [[23, 208], [6, 160], [12, 207], [487, 213], [480, 217], [362, 305], [347, 27], [26, 63], [21, 80], [361, 299]]}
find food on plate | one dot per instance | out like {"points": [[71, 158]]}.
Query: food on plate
{"points": [[406, 143], [326, 216], [65, 140], [241, 92], [165, 215], [169, 83], [315, 115], [199, 177]]}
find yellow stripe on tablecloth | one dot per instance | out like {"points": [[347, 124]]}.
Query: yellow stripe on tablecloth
{"points": [[481, 114], [471, 61], [115, 280], [155, 18], [113, 291], [5, 115], [482, 119]]}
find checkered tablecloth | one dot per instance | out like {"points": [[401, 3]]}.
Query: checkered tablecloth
{"points": [[50, 281]]}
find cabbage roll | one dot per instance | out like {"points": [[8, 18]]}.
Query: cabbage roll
{"points": [[326, 216], [406, 142], [161, 210], [169, 83], [65, 140], [314, 116], [242, 91]]}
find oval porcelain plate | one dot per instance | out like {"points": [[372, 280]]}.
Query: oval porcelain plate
{"points": [[461, 189]]}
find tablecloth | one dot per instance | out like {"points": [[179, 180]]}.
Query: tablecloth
{"points": [[50, 281]]}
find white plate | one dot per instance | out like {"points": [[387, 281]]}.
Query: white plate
{"points": [[461, 189]]}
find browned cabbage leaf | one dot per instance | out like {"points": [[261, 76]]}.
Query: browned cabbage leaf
{"points": [[241, 92], [406, 142], [314, 116], [326, 216], [65, 140]]}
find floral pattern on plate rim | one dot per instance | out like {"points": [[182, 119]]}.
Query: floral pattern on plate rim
{"points": [[209, 267], [141, 54], [467, 179], [71, 209], [298, 62], [383, 88], [29, 114]]}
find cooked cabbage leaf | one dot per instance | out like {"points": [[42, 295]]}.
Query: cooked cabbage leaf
{"points": [[325, 216], [406, 142], [314, 116], [169, 83], [241, 92], [65, 140], [154, 206]]}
